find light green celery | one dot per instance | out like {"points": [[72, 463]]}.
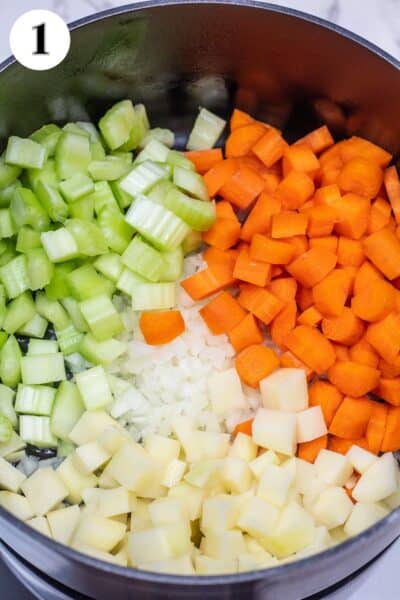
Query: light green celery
{"points": [[26, 210], [82, 209], [165, 136], [76, 129], [7, 404], [85, 283], [52, 201], [25, 153], [155, 151], [126, 156], [47, 174], [190, 182], [40, 268], [90, 129], [192, 242], [103, 319], [38, 369], [76, 186], [42, 347], [15, 277], [57, 289], [76, 362], [47, 136], [117, 123], [51, 310], [8, 252], [35, 328], [10, 362], [199, 215], [101, 353], [65, 448], [110, 168], [142, 177], [103, 197], [206, 130], [173, 265], [6, 429], [19, 311], [116, 231], [72, 307], [7, 226], [154, 296], [141, 258], [72, 154], [28, 239], [67, 410], [36, 431], [124, 200], [8, 173], [35, 399], [60, 245], [97, 151], [69, 339], [3, 338], [110, 265], [128, 281], [88, 237], [139, 128], [7, 193], [159, 191], [178, 159]]}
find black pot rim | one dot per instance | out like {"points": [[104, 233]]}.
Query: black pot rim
{"points": [[286, 569]]}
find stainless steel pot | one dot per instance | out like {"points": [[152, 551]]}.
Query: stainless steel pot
{"points": [[285, 67]]}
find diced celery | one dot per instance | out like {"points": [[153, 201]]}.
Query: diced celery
{"points": [[90, 129], [94, 388], [117, 123], [51, 310], [37, 431], [10, 362], [76, 186], [154, 296], [178, 159], [206, 130], [88, 237], [76, 129], [126, 156], [199, 215], [52, 202], [35, 399], [72, 154], [42, 347], [47, 136], [85, 283], [7, 193], [25, 153], [60, 245], [28, 239], [42, 368], [129, 280], [8, 252], [110, 265], [76, 362], [19, 311], [139, 128], [102, 353], [142, 177], [82, 209], [68, 408], [8, 173], [35, 328], [154, 150], [97, 151], [69, 339], [143, 259], [165, 136], [72, 307], [64, 448], [3, 338], [12, 447], [58, 288], [47, 174], [102, 317], [159, 191], [40, 268], [173, 265], [116, 231], [7, 404], [15, 277], [6, 429], [157, 224], [124, 200], [110, 168], [191, 182], [26, 210], [103, 197], [7, 227]]}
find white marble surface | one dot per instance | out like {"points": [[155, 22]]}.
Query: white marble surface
{"points": [[376, 20]]}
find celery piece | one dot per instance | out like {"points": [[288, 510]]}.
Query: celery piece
{"points": [[142, 177], [103, 320], [199, 215], [10, 362], [101, 353], [15, 277], [35, 328], [37, 431], [154, 296], [110, 168], [90, 129], [58, 288], [8, 173], [40, 268], [28, 239], [103, 197], [128, 281], [60, 245], [124, 200], [47, 136], [25, 153], [126, 156], [67, 410], [8, 252], [42, 368], [6, 429], [7, 193], [7, 404], [159, 191], [42, 347], [173, 265], [35, 399], [76, 187], [64, 448], [116, 231], [47, 174], [178, 159], [7, 227], [139, 128], [26, 210], [3, 338], [52, 202], [117, 123], [157, 224], [94, 388], [72, 154], [51, 310], [190, 182], [110, 265], [154, 150], [19, 311], [165, 136], [206, 130], [76, 362], [85, 283], [69, 339], [141, 258], [82, 209], [76, 129], [72, 307], [88, 237], [97, 151]]}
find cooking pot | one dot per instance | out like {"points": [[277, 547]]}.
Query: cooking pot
{"points": [[287, 68]]}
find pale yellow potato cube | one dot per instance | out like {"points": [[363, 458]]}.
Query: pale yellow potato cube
{"points": [[276, 481], [360, 459], [322, 541], [14, 445], [275, 430], [63, 522], [98, 532], [108, 503], [140, 518], [243, 447], [17, 505], [162, 448], [204, 474], [252, 562], [167, 510], [190, 497], [236, 475], [212, 566], [99, 554], [258, 465], [332, 508], [178, 566], [257, 517], [225, 392], [113, 438], [174, 472], [294, 531], [211, 444], [333, 468], [313, 491], [74, 480], [41, 525], [132, 467], [310, 424], [90, 457], [90, 427], [219, 513], [306, 475], [379, 481], [159, 543], [285, 390], [223, 545], [10, 477], [44, 490], [364, 515], [393, 501], [106, 481]]}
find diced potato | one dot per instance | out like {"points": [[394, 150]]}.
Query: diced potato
{"points": [[236, 476], [285, 390], [41, 525], [379, 481], [190, 496], [174, 471], [167, 510], [257, 517], [133, 467], [162, 448], [90, 457], [393, 501], [333, 468], [14, 444], [160, 543], [63, 522], [305, 475], [204, 474], [360, 459], [276, 481], [213, 566], [17, 505], [338, 535], [275, 430], [313, 491], [243, 447], [140, 518], [258, 465], [95, 553], [106, 481], [108, 503], [211, 444], [74, 480], [99, 533], [219, 513], [310, 424], [351, 482], [225, 544], [44, 490], [364, 515], [332, 508], [10, 477], [294, 531], [322, 541], [90, 427], [113, 438], [252, 562], [180, 566], [225, 392]]}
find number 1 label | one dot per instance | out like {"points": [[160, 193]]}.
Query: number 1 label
{"points": [[40, 38]]}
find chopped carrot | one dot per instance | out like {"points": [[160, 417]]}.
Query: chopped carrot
{"points": [[363, 353], [342, 446], [379, 215], [243, 187], [353, 379], [391, 439], [250, 270], [288, 223], [301, 158], [161, 327], [245, 427], [366, 275], [245, 334], [376, 427], [389, 370], [361, 176], [389, 390], [264, 305], [319, 140], [299, 243], [242, 139], [329, 242], [350, 252], [359, 147], [327, 195], [270, 147], [311, 347], [345, 329], [239, 118], [259, 218], [216, 177], [271, 182], [290, 361], [384, 336], [204, 160], [209, 281], [284, 288], [321, 220], [254, 363], [330, 294], [332, 156], [276, 271], [283, 324], [311, 316], [224, 210], [312, 266], [216, 257], [341, 351], [271, 251], [294, 190], [304, 298], [352, 213], [375, 301], [308, 205], [383, 249], [327, 396], [225, 232], [351, 418], [392, 187], [222, 313], [309, 450]]}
